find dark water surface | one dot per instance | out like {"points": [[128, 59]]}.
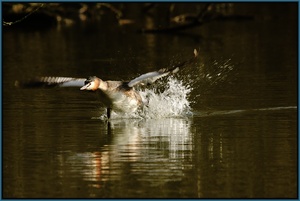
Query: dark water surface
{"points": [[240, 142]]}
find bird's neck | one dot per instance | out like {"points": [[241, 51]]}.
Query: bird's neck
{"points": [[102, 85]]}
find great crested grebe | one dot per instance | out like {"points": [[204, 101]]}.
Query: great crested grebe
{"points": [[119, 96]]}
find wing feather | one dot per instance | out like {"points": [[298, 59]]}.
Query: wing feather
{"points": [[47, 82], [149, 78]]}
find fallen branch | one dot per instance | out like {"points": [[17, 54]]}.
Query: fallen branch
{"points": [[188, 21], [23, 18]]}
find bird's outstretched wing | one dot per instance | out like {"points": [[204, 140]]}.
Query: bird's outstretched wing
{"points": [[149, 78], [49, 82]]}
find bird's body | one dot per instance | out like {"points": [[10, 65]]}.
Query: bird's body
{"points": [[119, 96]]}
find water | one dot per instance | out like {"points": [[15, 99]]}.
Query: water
{"points": [[225, 127]]}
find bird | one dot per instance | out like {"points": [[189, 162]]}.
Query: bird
{"points": [[118, 96]]}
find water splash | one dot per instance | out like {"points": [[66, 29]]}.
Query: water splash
{"points": [[171, 101], [209, 76], [165, 99]]}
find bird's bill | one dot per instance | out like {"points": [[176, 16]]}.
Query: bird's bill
{"points": [[85, 86]]}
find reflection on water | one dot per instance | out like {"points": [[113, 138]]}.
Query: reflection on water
{"points": [[202, 156], [151, 148]]}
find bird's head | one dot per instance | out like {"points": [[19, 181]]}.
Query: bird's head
{"points": [[91, 83]]}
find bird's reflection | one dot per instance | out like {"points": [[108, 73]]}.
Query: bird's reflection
{"points": [[144, 149]]}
